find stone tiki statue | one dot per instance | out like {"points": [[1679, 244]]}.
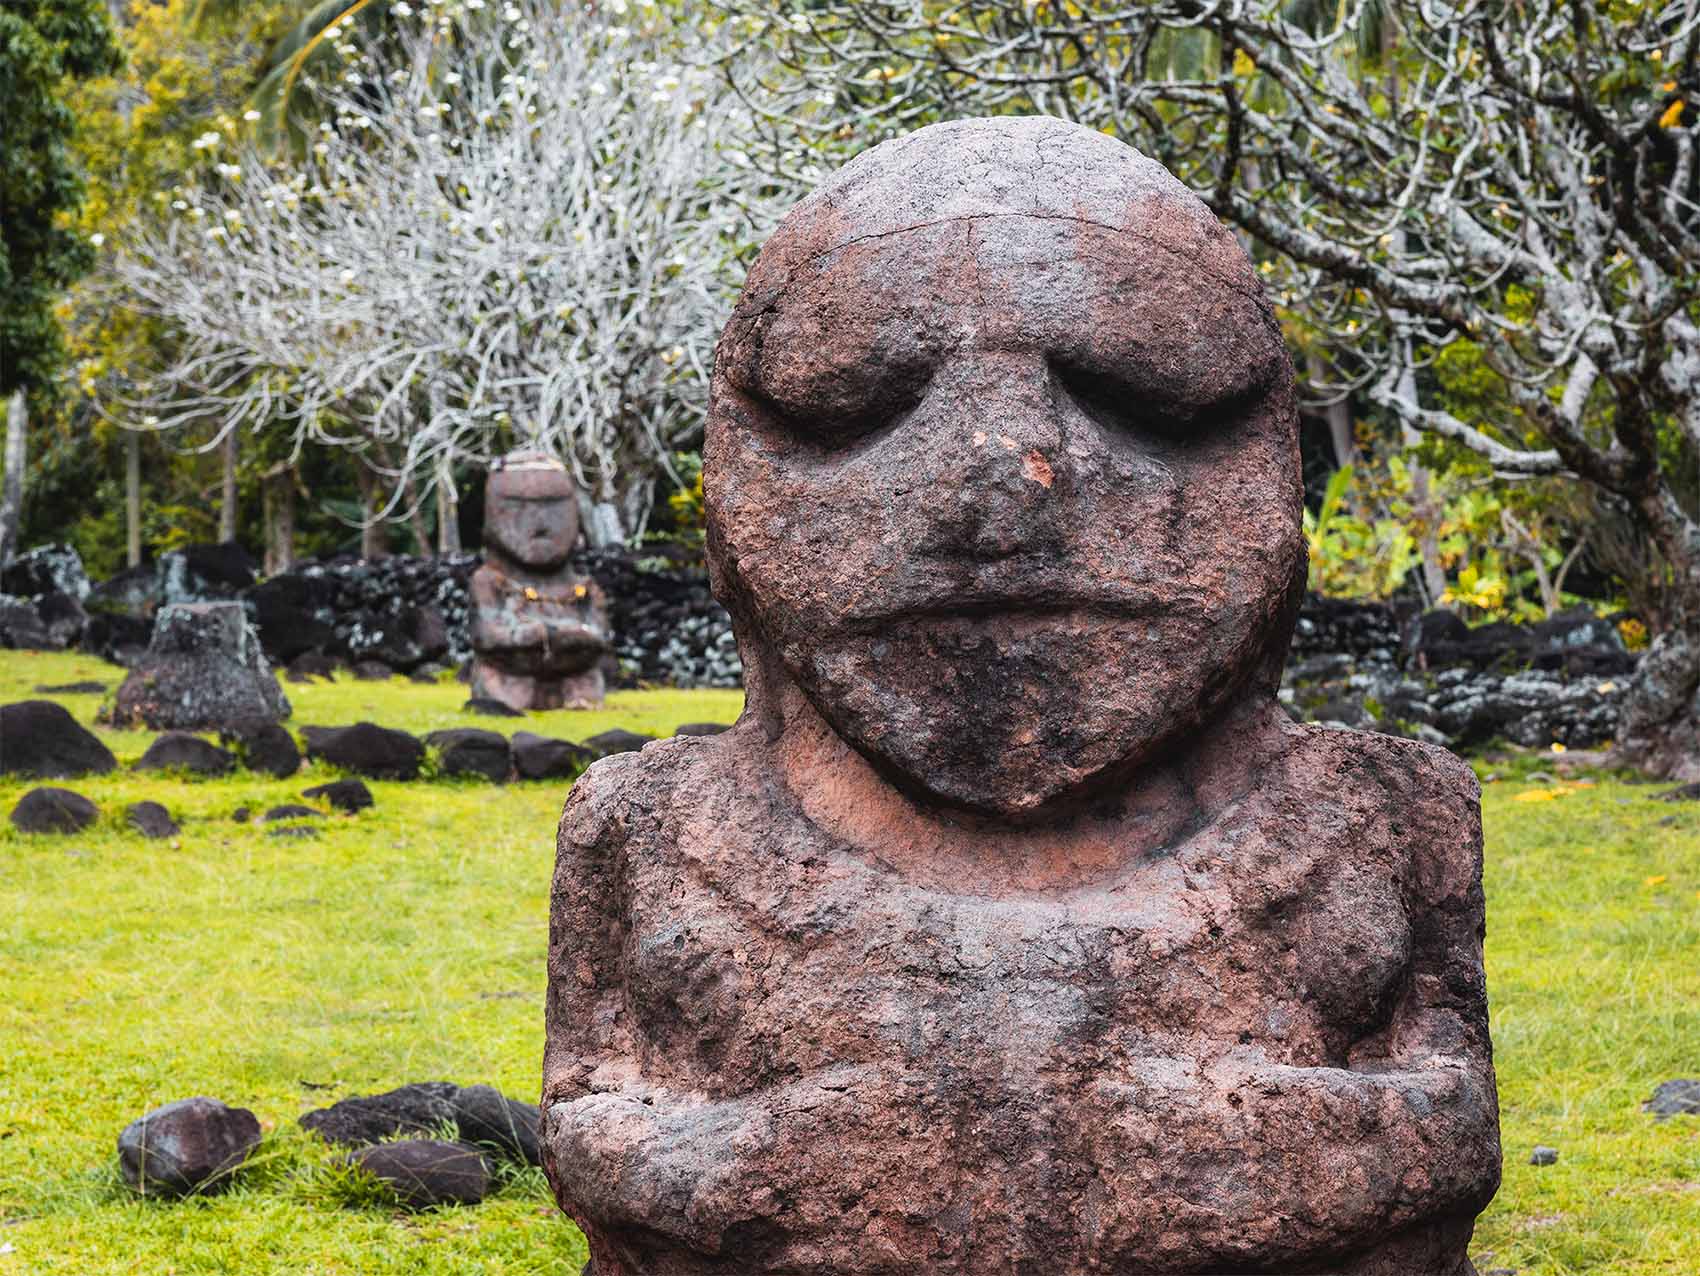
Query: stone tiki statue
{"points": [[1014, 929], [539, 633]]}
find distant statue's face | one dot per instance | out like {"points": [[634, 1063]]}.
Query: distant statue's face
{"points": [[531, 515], [1011, 492]]}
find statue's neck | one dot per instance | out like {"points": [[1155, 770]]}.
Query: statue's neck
{"points": [[1140, 814]]}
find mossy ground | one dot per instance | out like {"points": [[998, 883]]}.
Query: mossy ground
{"points": [[407, 944]]}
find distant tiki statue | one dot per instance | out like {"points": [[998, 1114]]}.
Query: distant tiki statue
{"points": [[539, 633], [1015, 930]]}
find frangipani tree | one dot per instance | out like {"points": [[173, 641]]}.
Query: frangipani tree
{"points": [[519, 224]]}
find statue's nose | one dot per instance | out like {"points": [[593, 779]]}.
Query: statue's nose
{"points": [[994, 420]]}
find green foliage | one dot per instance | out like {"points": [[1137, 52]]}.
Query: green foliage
{"points": [[44, 46], [1354, 556]]}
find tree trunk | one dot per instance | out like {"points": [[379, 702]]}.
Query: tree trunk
{"points": [[448, 511], [1338, 415], [227, 496], [372, 535], [278, 496], [12, 496], [1423, 503], [132, 498]]}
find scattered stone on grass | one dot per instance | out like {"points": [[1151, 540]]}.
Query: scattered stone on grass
{"points": [[89, 688], [351, 796], [310, 665], [203, 670], [372, 671], [1543, 1155], [607, 743], [1675, 1098], [150, 819], [293, 830], [292, 811], [424, 1173], [484, 1115], [420, 1108], [241, 815], [187, 1146], [39, 738], [538, 757], [265, 747], [470, 751], [1683, 793], [367, 749], [701, 728], [179, 751], [491, 707], [51, 810]]}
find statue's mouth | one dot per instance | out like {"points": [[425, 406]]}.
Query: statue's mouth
{"points": [[1031, 610]]}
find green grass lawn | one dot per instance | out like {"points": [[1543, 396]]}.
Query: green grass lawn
{"points": [[407, 943]]}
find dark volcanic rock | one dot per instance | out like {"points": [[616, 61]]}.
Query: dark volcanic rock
{"points": [[21, 627], [607, 743], [63, 617], [491, 708], [86, 688], [701, 728], [205, 573], [367, 749], [51, 810], [469, 751], [310, 665], [115, 637], [1682, 793], [292, 811], [179, 751], [40, 738], [371, 671], [541, 758], [351, 796], [424, 1173], [203, 670], [421, 1108], [1544, 1156], [150, 819], [46, 569], [1675, 1098], [486, 1116], [187, 1146], [265, 747]]}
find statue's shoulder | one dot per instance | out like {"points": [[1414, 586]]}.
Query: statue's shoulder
{"points": [[1422, 801], [637, 794]]}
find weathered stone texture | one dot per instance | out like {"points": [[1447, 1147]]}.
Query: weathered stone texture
{"points": [[203, 670], [1014, 928]]}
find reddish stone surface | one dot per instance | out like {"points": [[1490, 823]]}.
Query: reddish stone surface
{"points": [[1014, 929], [539, 633]]}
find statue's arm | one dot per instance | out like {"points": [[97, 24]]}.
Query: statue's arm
{"points": [[496, 625], [587, 932], [1403, 1140]]}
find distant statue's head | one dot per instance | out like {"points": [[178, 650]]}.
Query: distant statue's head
{"points": [[531, 511], [1002, 465]]}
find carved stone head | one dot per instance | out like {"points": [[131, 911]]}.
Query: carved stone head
{"points": [[530, 511], [1002, 464]]}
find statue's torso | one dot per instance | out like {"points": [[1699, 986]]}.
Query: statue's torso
{"points": [[986, 1051]]}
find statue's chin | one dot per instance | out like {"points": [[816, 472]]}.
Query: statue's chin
{"points": [[1011, 721]]}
